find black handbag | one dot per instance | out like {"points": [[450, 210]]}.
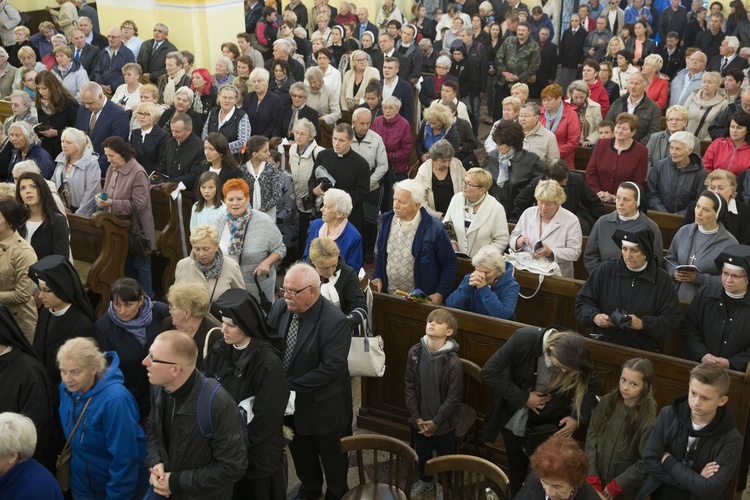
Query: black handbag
{"points": [[537, 435], [265, 304], [140, 245]]}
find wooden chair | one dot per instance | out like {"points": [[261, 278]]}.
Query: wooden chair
{"points": [[466, 430], [400, 455], [471, 476]]}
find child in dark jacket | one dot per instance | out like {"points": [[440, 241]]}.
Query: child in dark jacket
{"points": [[433, 389], [695, 445]]}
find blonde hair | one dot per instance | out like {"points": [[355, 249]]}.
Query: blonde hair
{"points": [[85, 352], [322, 248], [513, 101], [150, 89], [440, 113], [192, 297], [571, 351], [522, 87], [712, 77], [682, 110], [549, 191], [481, 176], [202, 231]]}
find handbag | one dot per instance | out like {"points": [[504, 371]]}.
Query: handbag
{"points": [[537, 435], [139, 245], [366, 356], [526, 262], [62, 473], [257, 45]]}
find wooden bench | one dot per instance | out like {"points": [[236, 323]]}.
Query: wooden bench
{"points": [[169, 249], [99, 245], [668, 223], [401, 324]]}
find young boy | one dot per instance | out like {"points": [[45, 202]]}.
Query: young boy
{"points": [[606, 129], [695, 445], [434, 388]]}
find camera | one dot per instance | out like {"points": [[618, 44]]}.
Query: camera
{"points": [[621, 319]]}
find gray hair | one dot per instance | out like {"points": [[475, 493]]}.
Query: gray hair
{"points": [[684, 137], [79, 138], [533, 107], [733, 42], [468, 30], [309, 273], [425, 43], [261, 73], [177, 56], [26, 166], [416, 189], [59, 36], [92, 88], [284, 44], [342, 201], [443, 61], [226, 62], [580, 86], [27, 131], [489, 256], [229, 87], [391, 101], [308, 126], [25, 97], [189, 92], [299, 86], [359, 111], [162, 26], [442, 150], [4, 53], [17, 435], [314, 72]]}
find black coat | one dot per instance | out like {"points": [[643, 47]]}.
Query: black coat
{"points": [[451, 135], [150, 152], [715, 64], [59, 121], [469, 77], [672, 63], [649, 47], [691, 32], [154, 64], [427, 91], [350, 294], [524, 166], [198, 119], [298, 71], [51, 238], [13, 53], [208, 101], [53, 331], [511, 374], [708, 43], [405, 92], [224, 175], [547, 68], [571, 48], [181, 162], [286, 120]]}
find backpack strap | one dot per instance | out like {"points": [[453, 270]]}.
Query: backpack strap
{"points": [[205, 403]]}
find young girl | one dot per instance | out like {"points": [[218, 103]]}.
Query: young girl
{"points": [[618, 430], [209, 204]]}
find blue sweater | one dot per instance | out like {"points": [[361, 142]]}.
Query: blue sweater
{"points": [[434, 258], [29, 479], [349, 243], [498, 300]]}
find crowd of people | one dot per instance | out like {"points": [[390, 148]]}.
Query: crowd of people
{"points": [[146, 396]]}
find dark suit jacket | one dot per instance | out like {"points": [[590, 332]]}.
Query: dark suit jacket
{"points": [[99, 41], [112, 120], [427, 91], [108, 71], [738, 62], [405, 92], [51, 238], [197, 119], [428, 63], [548, 66], [403, 65], [252, 17], [154, 65], [318, 369], [305, 112], [150, 153], [89, 58], [369, 27], [571, 48], [182, 163]]}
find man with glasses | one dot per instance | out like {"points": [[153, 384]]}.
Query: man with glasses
{"points": [[317, 337], [184, 459], [713, 328], [100, 118], [108, 70]]}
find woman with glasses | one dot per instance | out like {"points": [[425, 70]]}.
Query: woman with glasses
{"points": [[430, 89], [149, 140], [658, 144], [356, 80], [129, 328]]}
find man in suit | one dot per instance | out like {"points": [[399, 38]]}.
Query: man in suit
{"points": [[728, 57], [95, 39], [253, 14], [85, 10], [153, 54], [394, 86], [100, 118], [571, 52], [387, 45], [83, 52], [108, 70], [318, 338], [298, 110], [364, 24], [547, 67], [429, 55], [184, 154]]}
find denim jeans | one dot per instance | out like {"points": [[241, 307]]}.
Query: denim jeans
{"points": [[139, 268]]}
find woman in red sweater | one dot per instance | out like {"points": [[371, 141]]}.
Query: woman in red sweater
{"points": [[396, 134], [657, 84], [597, 92], [731, 153], [562, 120]]}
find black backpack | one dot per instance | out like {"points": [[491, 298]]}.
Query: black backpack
{"points": [[205, 402]]}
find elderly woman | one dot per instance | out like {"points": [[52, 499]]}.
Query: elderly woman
{"points": [[589, 113], [322, 98], [657, 84], [71, 73], [204, 92], [395, 131], [704, 104], [206, 264], [732, 152], [228, 119], [491, 289], [430, 88], [559, 467], [339, 281], [46, 228], [677, 180], [561, 119], [356, 80], [737, 220], [437, 125], [128, 95], [635, 285], [183, 100], [251, 238], [130, 37], [623, 70], [334, 224], [129, 328], [149, 141], [23, 111], [224, 72], [302, 156], [474, 219], [658, 144], [21, 475], [188, 312], [108, 451], [56, 108], [27, 146], [549, 231], [173, 79], [617, 160], [442, 176], [7, 73], [129, 198], [58, 40], [263, 108], [691, 256], [27, 56], [511, 166]]}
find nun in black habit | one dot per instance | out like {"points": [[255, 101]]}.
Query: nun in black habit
{"points": [[248, 364], [66, 311]]}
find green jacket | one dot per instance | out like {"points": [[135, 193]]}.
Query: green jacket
{"points": [[521, 60], [606, 458]]}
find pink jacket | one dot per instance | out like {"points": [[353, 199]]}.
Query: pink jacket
{"points": [[722, 154], [568, 133], [130, 182], [396, 135]]}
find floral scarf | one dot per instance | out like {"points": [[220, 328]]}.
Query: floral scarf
{"points": [[237, 230], [136, 326], [213, 270]]}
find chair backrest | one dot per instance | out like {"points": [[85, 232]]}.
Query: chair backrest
{"points": [[472, 369], [400, 456], [472, 475]]}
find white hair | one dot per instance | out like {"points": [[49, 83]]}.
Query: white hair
{"points": [[489, 256], [342, 201], [260, 73], [284, 44], [25, 166], [359, 111], [187, 91], [17, 435], [415, 188], [685, 138], [309, 273], [227, 63]]}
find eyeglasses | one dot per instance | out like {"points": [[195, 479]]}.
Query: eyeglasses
{"points": [[466, 184], [143, 114], [725, 274], [293, 293], [154, 360]]}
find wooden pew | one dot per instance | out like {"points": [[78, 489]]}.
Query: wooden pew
{"points": [[401, 324], [5, 110], [582, 157], [99, 245], [668, 223], [169, 249]]}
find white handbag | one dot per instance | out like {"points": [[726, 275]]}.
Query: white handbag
{"points": [[367, 353], [526, 262]]}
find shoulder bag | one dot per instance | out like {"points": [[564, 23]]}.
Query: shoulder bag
{"points": [[63, 459], [367, 352], [139, 245], [526, 262]]}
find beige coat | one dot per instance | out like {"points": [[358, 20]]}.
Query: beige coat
{"points": [[489, 227], [592, 118], [349, 100], [231, 276], [16, 288], [424, 177]]}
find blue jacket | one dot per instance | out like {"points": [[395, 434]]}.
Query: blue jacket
{"points": [[40, 156], [29, 479], [349, 243], [544, 22], [434, 258], [108, 71], [109, 447], [498, 300], [112, 120]]}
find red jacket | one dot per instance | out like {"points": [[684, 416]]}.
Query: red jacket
{"points": [[598, 93], [722, 154], [396, 135], [568, 133], [607, 169], [658, 91]]}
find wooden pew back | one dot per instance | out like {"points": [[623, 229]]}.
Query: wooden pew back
{"points": [[169, 248]]}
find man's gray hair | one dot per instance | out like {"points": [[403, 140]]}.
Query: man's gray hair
{"points": [[359, 111], [308, 126], [733, 42], [414, 187], [489, 256], [92, 88], [468, 30], [314, 72], [17, 435], [299, 87], [284, 44], [685, 138], [425, 43], [162, 26], [310, 276], [443, 61]]}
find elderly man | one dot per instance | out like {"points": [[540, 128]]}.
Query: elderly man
{"points": [[728, 57], [589, 112], [297, 110], [710, 40], [318, 338], [387, 44], [281, 51], [394, 85], [369, 145], [184, 153], [414, 250], [688, 79], [153, 54], [713, 328], [322, 99], [100, 118], [636, 102], [42, 41], [596, 42], [93, 37], [517, 60], [108, 71], [720, 126], [364, 24], [186, 459], [429, 55], [83, 52]]}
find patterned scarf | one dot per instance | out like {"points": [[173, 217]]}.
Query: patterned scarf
{"points": [[136, 326], [213, 270], [237, 228], [503, 161]]}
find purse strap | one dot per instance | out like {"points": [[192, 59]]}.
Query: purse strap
{"points": [[80, 417], [134, 213]]}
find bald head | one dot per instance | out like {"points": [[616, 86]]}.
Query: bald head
{"points": [[115, 38], [181, 347]]}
